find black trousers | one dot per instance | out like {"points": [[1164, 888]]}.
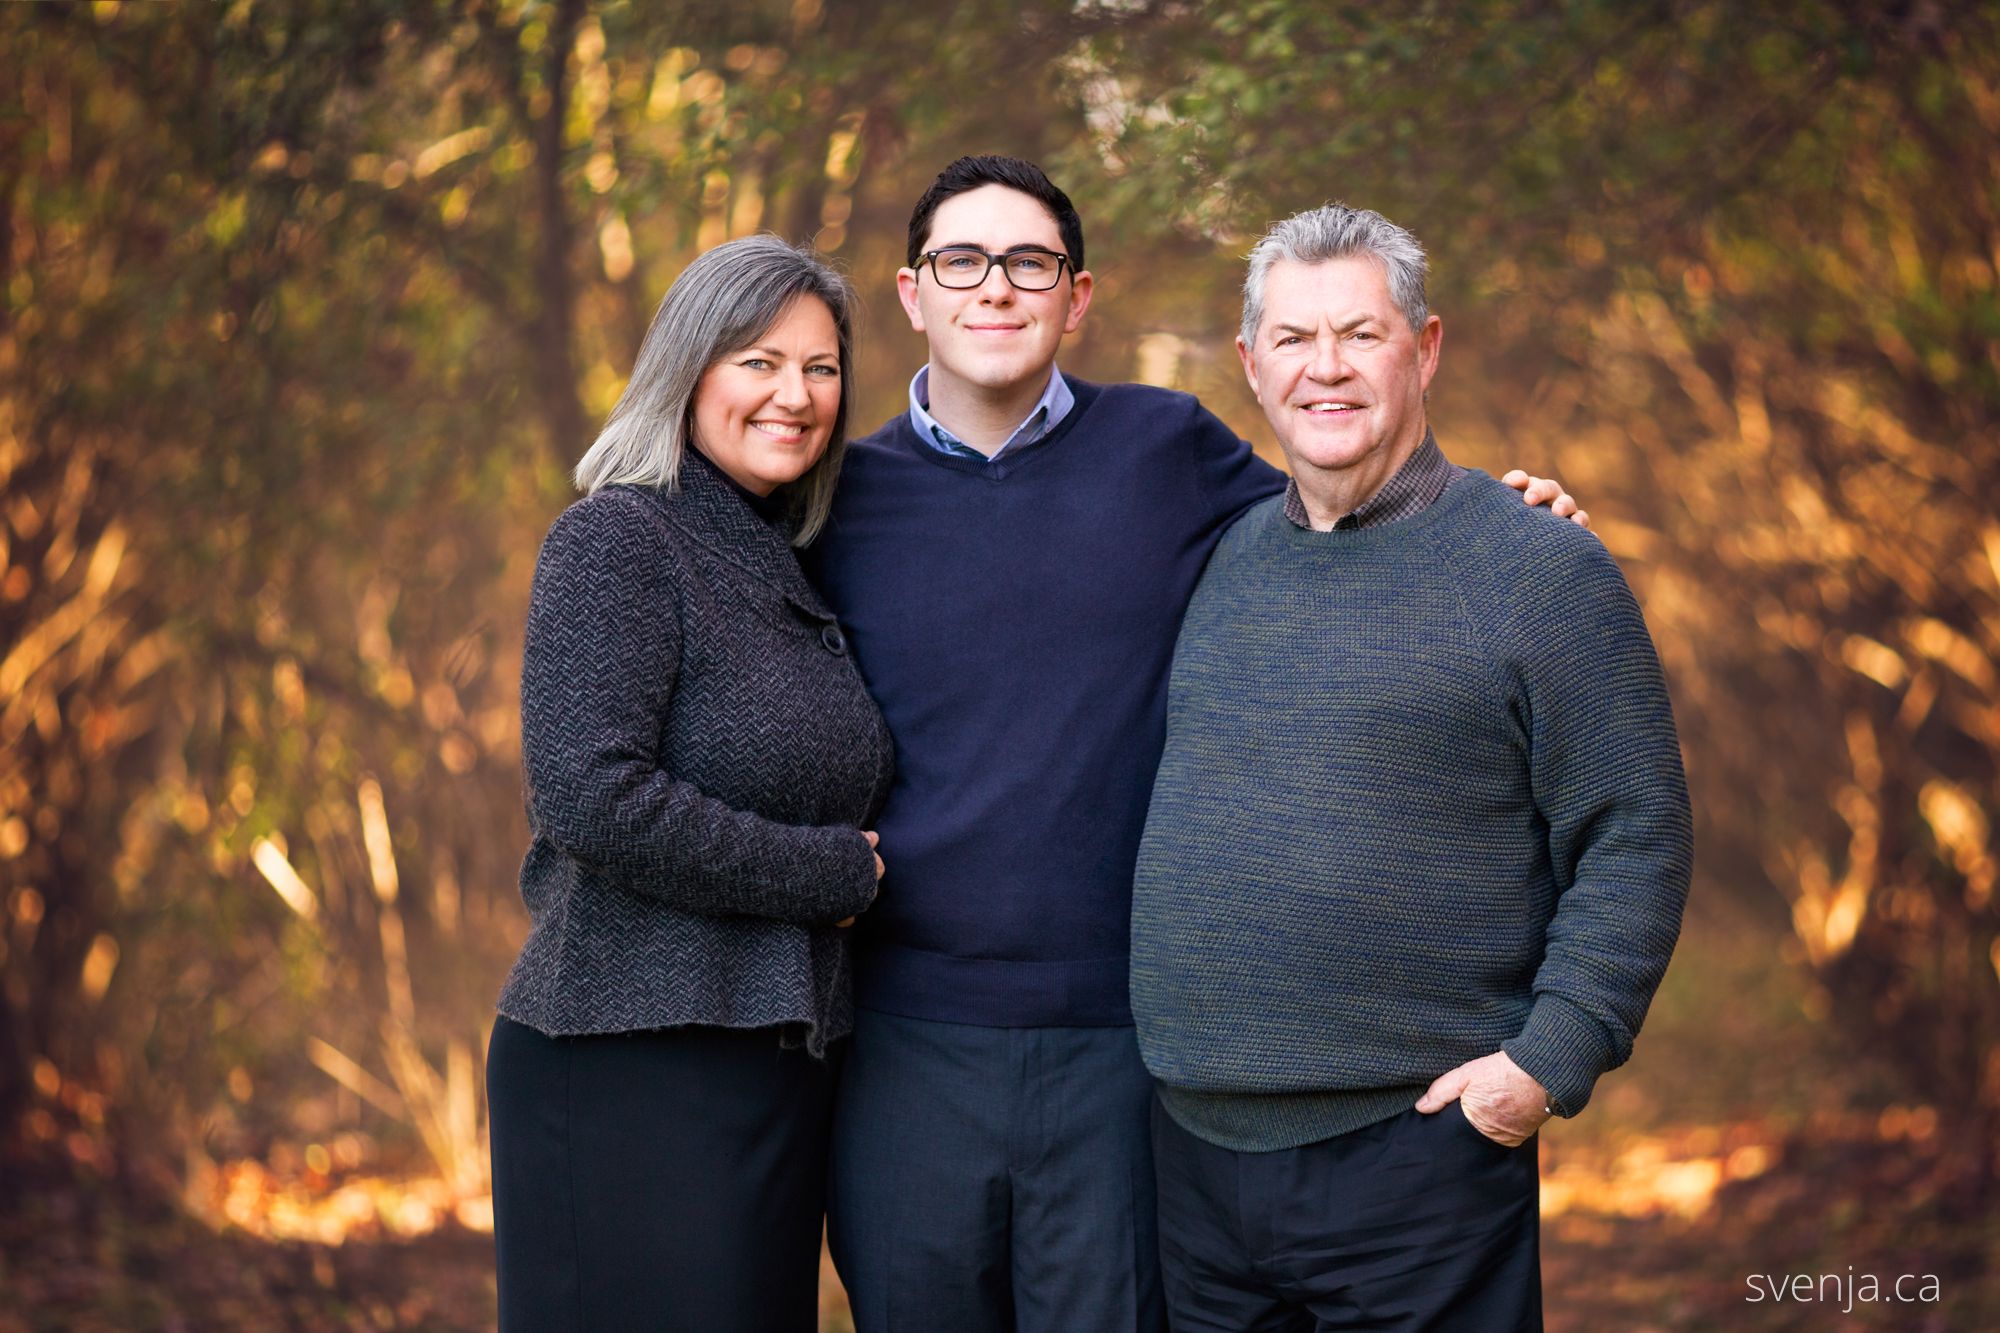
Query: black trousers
{"points": [[994, 1180], [661, 1180], [1414, 1223]]}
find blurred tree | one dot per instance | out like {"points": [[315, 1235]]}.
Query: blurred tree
{"points": [[309, 307], [214, 376]]}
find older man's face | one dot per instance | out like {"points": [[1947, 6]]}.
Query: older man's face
{"points": [[1337, 368]]}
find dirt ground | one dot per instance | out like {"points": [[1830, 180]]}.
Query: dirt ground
{"points": [[1741, 1151]]}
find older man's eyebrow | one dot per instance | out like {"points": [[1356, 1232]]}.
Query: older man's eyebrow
{"points": [[1308, 330]]}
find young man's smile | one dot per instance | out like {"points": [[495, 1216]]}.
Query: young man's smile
{"points": [[996, 341]]}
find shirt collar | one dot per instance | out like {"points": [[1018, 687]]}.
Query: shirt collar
{"points": [[1419, 482], [1047, 413]]}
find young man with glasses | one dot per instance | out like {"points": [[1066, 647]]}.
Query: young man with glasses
{"points": [[1011, 558]]}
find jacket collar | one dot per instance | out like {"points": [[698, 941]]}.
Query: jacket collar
{"points": [[709, 510]]}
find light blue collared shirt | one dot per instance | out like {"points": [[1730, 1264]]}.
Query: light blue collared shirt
{"points": [[1055, 403]]}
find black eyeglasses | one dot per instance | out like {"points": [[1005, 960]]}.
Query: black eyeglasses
{"points": [[962, 266]]}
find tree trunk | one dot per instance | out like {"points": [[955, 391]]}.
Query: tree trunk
{"points": [[567, 427]]}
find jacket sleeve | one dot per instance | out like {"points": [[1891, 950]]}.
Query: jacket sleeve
{"points": [[599, 667], [1605, 770]]}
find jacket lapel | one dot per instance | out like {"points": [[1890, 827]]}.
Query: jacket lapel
{"points": [[707, 509]]}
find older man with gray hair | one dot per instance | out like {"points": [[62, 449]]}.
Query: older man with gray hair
{"points": [[1418, 846]]}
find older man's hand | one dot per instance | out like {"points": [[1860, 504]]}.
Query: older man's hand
{"points": [[1547, 491], [1500, 1099]]}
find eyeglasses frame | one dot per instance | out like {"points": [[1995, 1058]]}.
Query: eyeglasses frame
{"points": [[928, 259]]}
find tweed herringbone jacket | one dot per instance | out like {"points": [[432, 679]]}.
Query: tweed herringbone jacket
{"points": [[701, 756]]}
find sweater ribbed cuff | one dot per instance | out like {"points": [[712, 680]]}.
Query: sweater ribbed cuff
{"points": [[854, 889], [1562, 1048]]}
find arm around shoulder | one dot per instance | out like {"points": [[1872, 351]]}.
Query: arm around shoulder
{"points": [[599, 667], [1231, 476]]}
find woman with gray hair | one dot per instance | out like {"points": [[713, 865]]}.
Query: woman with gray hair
{"points": [[702, 761]]}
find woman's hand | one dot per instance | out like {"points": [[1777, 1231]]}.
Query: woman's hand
{"points": [[874, 840]]}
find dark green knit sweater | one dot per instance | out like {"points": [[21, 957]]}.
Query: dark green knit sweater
{"points": [[1421, 801]]}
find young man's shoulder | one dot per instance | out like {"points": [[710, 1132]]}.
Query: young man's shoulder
{"points": [[1144, 411], [1145, 401], [883, 437]]}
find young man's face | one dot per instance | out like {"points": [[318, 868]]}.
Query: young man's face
{"points": [[992, 338], [1339, 372]]}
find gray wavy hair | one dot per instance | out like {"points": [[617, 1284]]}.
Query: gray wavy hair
{"points": [[721, 303], [1335, 231]]}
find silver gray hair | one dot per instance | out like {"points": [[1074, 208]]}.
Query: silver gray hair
{"points": [[721, 303], [1335, 231]]}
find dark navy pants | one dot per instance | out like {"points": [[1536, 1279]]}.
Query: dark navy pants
{"points": [[1416, 1222], [994, 1179], [668, 1180]]}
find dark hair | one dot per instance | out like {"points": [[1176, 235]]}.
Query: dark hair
{"points": [[970, 173]]}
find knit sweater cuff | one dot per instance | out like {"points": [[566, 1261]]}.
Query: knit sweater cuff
{"points": [[853, 885], [1562, 1048]]}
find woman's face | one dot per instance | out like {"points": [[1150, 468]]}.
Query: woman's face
{"points": [[764, 413]]}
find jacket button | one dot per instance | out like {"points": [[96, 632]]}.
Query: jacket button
{"points": [[835, 641]]}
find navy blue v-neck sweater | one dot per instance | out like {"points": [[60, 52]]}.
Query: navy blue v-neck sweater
{"points": [[1015, 619]]}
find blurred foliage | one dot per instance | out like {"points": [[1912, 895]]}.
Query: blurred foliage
{"points": [[1731, 272], [309, 307]]}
